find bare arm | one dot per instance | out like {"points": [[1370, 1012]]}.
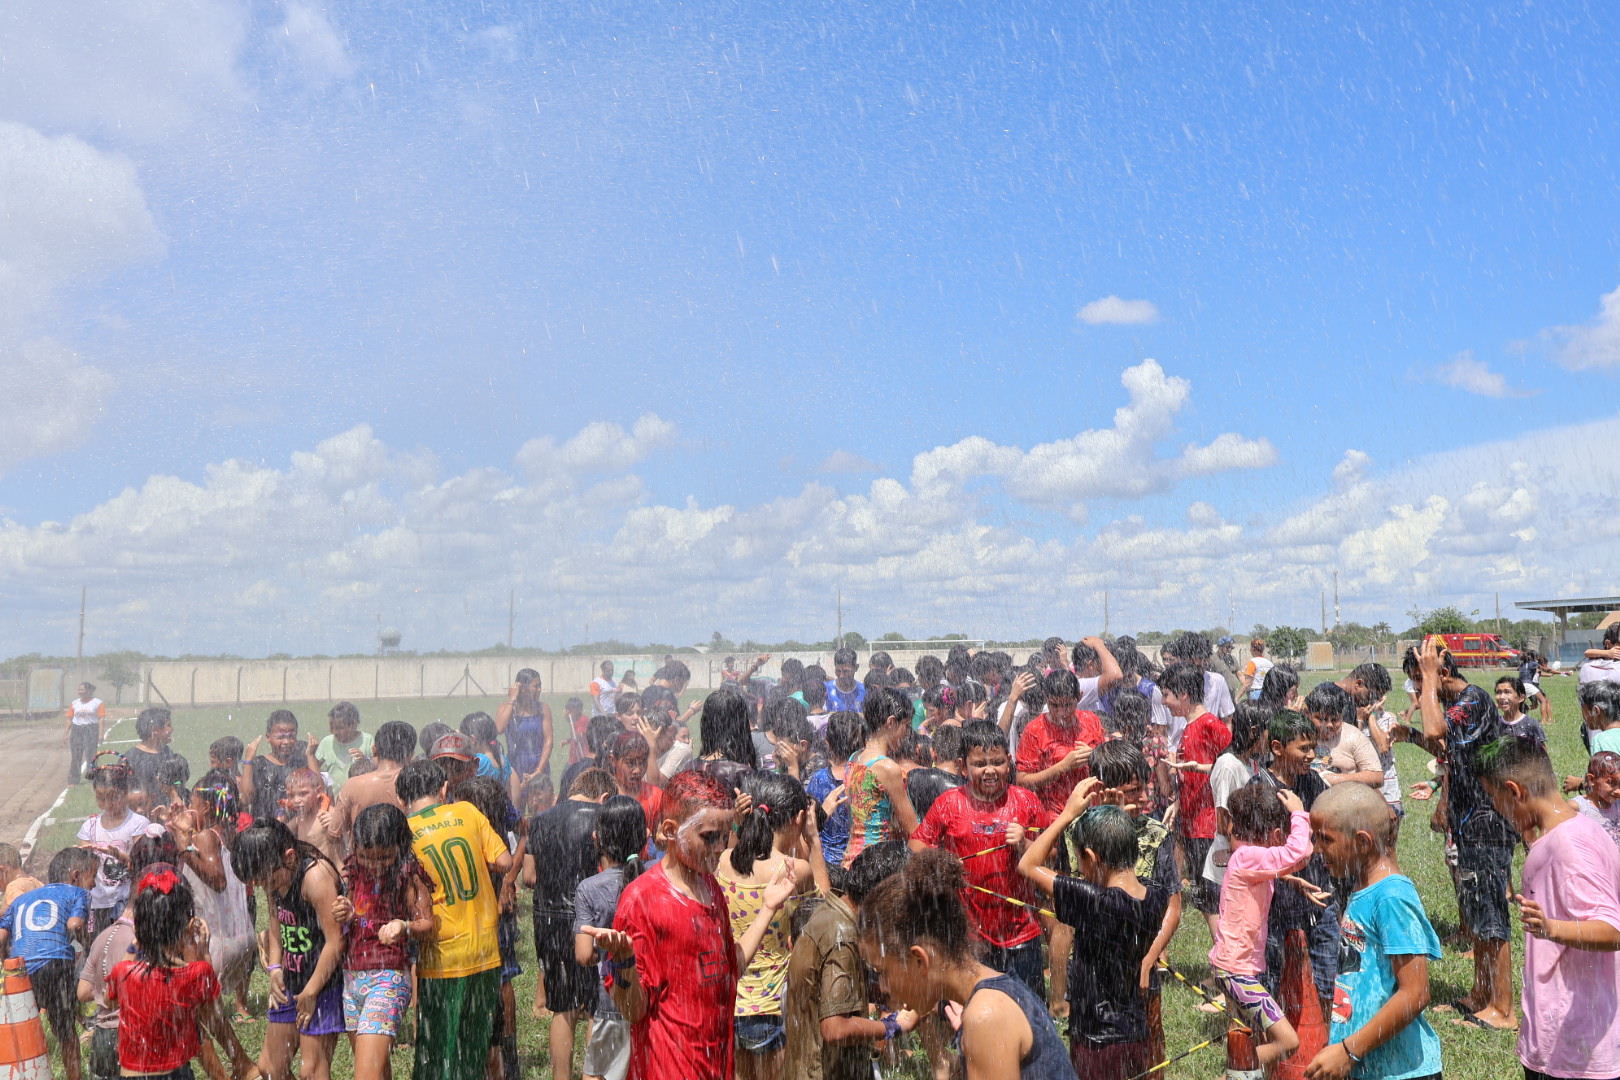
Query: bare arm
{"points": [[1070, 761], [320, 889], [1161, 940], [894, 785], [1108, 670], [1032, 863], [1410, 998]]}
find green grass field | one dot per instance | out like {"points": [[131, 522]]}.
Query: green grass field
{"points": [[1470, 1053]]}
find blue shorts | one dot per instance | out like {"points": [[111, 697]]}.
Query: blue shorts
{"points": [[760, 1034], [328, 1016]]}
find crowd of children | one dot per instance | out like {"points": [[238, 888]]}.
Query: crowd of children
{"points": [[984, 861]]}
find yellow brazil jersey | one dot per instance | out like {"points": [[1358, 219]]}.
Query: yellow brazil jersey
{"points": [[456, 845]]}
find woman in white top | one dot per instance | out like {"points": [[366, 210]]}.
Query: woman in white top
{"points": [[1254, 672]]}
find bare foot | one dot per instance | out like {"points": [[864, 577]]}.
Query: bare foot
{"points": [[1489, 1019]]}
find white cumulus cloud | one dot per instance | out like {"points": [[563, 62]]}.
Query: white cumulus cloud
{"points": [[1465, 372], [1592, 346], [1113, 311]]}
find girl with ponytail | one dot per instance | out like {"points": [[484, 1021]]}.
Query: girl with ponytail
{"points": [[914, 932], [776, 832], [621, 837]]}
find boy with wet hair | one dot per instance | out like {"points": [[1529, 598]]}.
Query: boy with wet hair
{"points": [[1202, 742], [345, 744], [1569, 903], [41, 927], [155, 728], [844, 693], [1386, 944], [1194, 648], [1601, 801], [986, 823], [264, 781]]}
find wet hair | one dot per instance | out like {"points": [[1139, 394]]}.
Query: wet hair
{"points": [[1052, 648], [843, 657], [1328, 700], [1249, 720], [1601, 696], [984, 668], [795, 729], [903, 677], [778, 800], [942, 698], [262, 846], [880, 660], [1375, 677], [278, 718], [876, 677], [1611, 635], [949, 740], [674, 671], [227, 748], [383, 825], [218, 792], [1279, 685], [70, 861], [874, 865], [730, 662], [815, 673], [625, 746], [1132, 661], [814, 691], [148, 851], [305, 775], [1183, 680], [977, 735], [1060, 683], [1133, 712], [1082, 656], [1193, 648], [490, 797], [621, 834], [1255, 811], [162, 918], [432, 733], [150, 719], [1289, 726], [345, 712], [1603, 763], [929, 671], [1109, 833], [394, 741], [921, 903], [578, 704], [1116, 762], [419, 779], [1353, 808], [90, 686], [361, 766], [623, 701], [792, 672], [883, 704], [480, 728], [956, 672], [846, 734], [114, 777], [779, 709], [592, 784], [915, 748], [1513, 681], [1414, 670], [1523, 761], [173, 771], [724, 727], [600, 732], [691, 791], [957, 654]]}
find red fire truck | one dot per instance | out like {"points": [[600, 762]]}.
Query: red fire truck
{"points": [[1481, 650]]}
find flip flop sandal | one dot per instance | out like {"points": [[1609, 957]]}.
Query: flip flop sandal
{"points": [[1473, 1020]]}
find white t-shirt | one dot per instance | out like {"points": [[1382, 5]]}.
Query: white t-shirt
{"points": [[1229, 773], [604, 696], [1255, 671], [1217, 696], [1391, 791], [87, 712], [108, 892]]}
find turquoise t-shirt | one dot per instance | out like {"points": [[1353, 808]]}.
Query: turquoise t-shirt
{"points": [[1381, 921], [1608, 739]]}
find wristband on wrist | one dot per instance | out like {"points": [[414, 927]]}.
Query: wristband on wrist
{"points": [[271, 967], [1349, 1053], [891, 1027]]}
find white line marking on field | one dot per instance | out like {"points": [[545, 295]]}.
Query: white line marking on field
{"points": [[27, 846]]}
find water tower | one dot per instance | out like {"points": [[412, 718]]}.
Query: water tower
{"points": [[387, 641]]}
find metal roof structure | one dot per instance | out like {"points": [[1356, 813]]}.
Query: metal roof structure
{"points": [[1565, 608]]}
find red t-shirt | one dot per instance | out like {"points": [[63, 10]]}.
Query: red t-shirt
{"points": [[157, 1018], [963, 825], [1203, 741], [652, 804], [687, 963], [1044, 743]]}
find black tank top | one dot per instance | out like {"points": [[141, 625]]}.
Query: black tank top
{"points": [[1048, 1058], [301, 936]]}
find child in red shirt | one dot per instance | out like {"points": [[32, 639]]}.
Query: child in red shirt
{"points": [[986, 824], [1204, 740], [674, 962], [160, 993]]}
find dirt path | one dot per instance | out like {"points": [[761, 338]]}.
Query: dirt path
{"points": [[37, 763]]}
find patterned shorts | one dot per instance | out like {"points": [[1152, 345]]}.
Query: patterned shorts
{"points": [[1252, 1001], [374, 1002]]}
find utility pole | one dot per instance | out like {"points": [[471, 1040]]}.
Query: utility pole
{"points": [[379, 633], [511, 611], [1105, 611], [1324, 612], [838, 642], [1499, 613], [84, 591], [1337, 622]]}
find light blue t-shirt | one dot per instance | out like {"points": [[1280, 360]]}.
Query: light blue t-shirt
{"points": [[38, 923], [1608, 739], [1380, 921]]}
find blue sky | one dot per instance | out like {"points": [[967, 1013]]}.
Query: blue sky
{"points": [[787, 231]]}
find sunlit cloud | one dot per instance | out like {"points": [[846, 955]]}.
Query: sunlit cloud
{"points": [[1467, 373], [1113, 311], [1592, 346]]}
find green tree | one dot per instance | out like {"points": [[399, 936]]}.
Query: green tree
{"points": [[1288, 642], [119, 670], [1444, 620], [852, 640]]}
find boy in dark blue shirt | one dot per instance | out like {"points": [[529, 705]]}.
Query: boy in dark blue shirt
{"points": [[40, 926]]}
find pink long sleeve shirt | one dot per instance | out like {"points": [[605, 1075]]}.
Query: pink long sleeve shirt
{"points": [[1251, 875]]}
